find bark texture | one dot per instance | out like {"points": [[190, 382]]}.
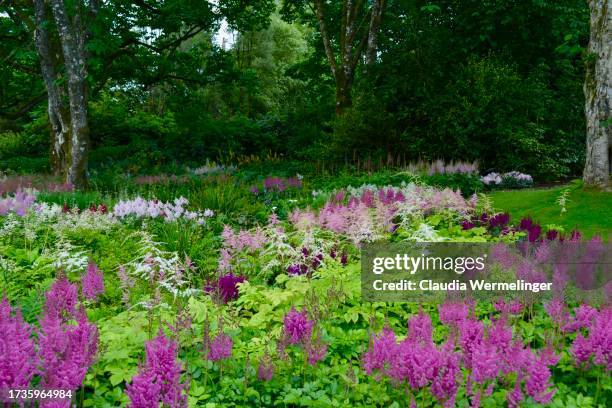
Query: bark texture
{"points": [[598, 95], [359, 28], [72, 38], [58, 111]]}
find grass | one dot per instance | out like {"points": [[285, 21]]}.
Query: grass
{"points": [[588, 211]]}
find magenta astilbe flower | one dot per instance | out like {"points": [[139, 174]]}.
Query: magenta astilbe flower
{"points": [[220, 347], [557, 311], [158, 381], [297, 326], [66, 351], [446, 381], [420, 328], [61, 299], [452, 314], [92, 283], [537, 382], [583, 317], [415, 362], [226, 286], [598, 344], [17, 353], [471, 336], [316, 352], [143, 391], [265, 371], [381, 351]]}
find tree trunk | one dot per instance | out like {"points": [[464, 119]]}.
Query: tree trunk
{"points": [[58, 112], [72, 38], [344, 99], [598, 95], [356, 38]]}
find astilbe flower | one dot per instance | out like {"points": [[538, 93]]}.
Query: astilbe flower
{"points": [[380, 353], [583, 316], [92, 283], [316, 351], [445, 383], [158, 380], [220, 348], [62, 298], [297, 327], [598, 344], [66, 351], [452, 314], [17, 353], [265, 370], [537, 382], [226, 286]]}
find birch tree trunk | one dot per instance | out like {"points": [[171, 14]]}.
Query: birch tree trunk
{"points": [[598, 95], [72, 38]]}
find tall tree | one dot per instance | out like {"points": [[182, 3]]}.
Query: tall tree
{"points": [[83, 45], [348, 34], [598, 95]]}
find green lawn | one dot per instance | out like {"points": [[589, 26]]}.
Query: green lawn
{"points": [[589, 211]]}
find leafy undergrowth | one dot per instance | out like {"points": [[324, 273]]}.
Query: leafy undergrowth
{"points": [[213, 292]]}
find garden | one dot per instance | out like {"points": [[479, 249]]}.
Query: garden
{"points": [[191, 194]]}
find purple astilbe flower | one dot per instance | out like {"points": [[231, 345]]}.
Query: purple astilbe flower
{"points": [[414, 361], [575, 236], [17, 352], [552, 235], [502, 255], [452, 314], [515, 307], [537, 383], [220, 347], [471, 335], [316, 351], [485, 363], [445, 384], [65, 351], [297, 327], [557, 311], [499, 220], [143, 391], [92, 283], [583, 316], [158, 381], [420, 328], [467, 225], [381, 352], [344, 259], [265, 370], [61, 299], [598, 344], [226, 286]]}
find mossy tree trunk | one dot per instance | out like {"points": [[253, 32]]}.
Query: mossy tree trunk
{"points": [[598, 95]]}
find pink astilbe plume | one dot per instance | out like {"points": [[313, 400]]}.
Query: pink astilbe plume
{"points": [[17, 352], [159, 379], [220, 347], [297, 327], [66, 351], [61, 299], [92, 282]]}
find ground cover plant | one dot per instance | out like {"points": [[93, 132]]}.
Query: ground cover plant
{"points": [[135, 298]]}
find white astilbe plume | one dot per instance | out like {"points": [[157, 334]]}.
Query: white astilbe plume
{"points": [[68, 256], [163, 267], [425, 233]]}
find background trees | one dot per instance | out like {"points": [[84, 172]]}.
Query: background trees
{"points": [[501, 82]]}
